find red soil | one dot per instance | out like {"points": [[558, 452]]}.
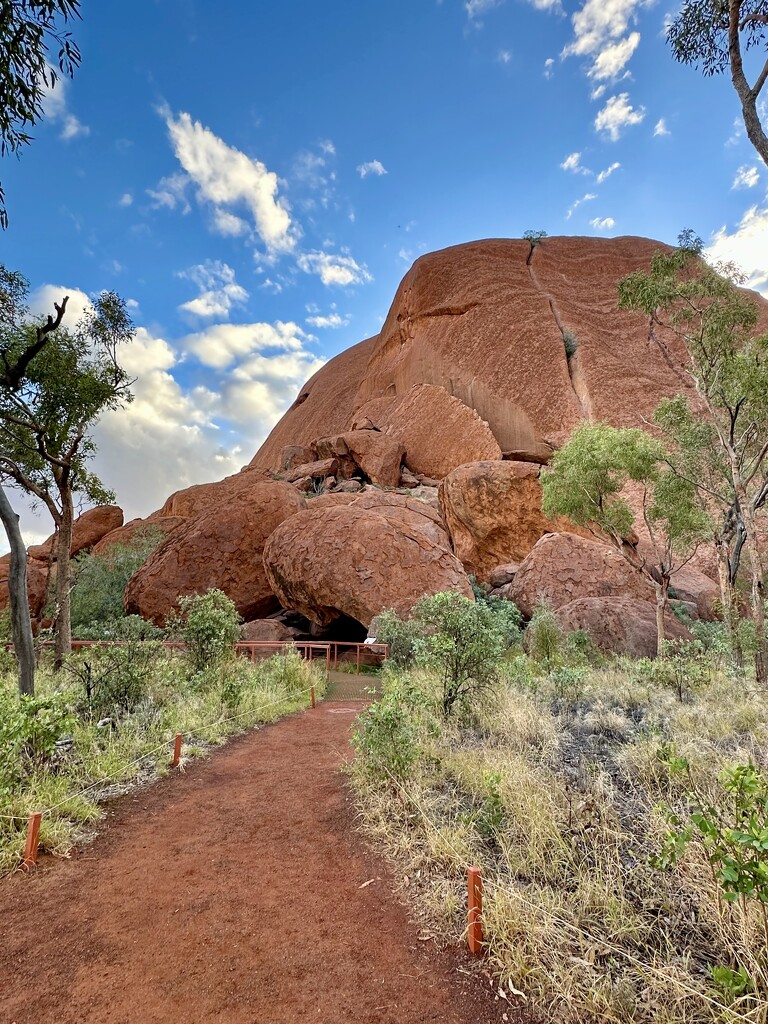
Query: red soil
{"points": [[231, 892]]}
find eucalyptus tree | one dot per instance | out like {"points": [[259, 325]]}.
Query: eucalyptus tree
{"points": [[47, 417], [707, 330], [585, 480]]}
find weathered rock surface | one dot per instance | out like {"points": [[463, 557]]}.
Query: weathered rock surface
{"points": [[191, 501], [355, 562], [219, 548], [439, 432], [160, 526], [620, 625], [376, 454], [503, 574], [312, 471], [296, 455], [493, 513], [37, 584], [266, 631], [87, 530], [563, 567], [692, 585]]}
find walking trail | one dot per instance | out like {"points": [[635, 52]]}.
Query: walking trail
{"points": [[229, 893]]}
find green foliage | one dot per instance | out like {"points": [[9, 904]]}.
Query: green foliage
{"points": [[100, 580], [29, 730], [128, 627], [544, 636], [386, 736], [534, 237], [571, 343], [731, 984], [114, 681], [399, 634], [209, 626], [26, 73]]}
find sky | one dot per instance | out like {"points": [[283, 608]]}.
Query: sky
{"points": [[256, 178]]}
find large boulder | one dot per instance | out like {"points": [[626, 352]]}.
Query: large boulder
{"points": [[493, 513], [438, 431], [156, 526], [267, 631], [620, 625], [377, 455], [37, 584], [563, 567], [219, 548], [352, 562], [191, 501], [87, 530], [691, 585]]}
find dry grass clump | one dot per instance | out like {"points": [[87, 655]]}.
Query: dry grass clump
{"points": [[564, 789]]}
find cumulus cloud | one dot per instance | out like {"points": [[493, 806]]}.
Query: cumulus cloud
{"points": [[549, 64], [171, 192], [747, 247], [375, 167], [602, 223], [746, 177], [126, 199], [600, 31], [573, 163], [617, 115], [504, 57], [219, 291], [584, 199], [42, 299], [221, 345], [229, 224], [660, 128], [334, 269], [331, 320], [225, 177], [477, 8]]}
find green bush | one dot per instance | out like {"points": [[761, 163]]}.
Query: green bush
{"points": [[387, 735], [129, 627], [210, 627], [571, 343], [544, 637], [114, 681], [100, 580], [399, 634], [29, 730]]}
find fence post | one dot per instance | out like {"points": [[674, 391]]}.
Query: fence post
{"points": [[177, 750], [474, 910], [33, 837], [312, 695], [358, 659]]}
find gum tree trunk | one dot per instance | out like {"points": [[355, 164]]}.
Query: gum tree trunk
{"points": [[63, 613], [21, 624]]}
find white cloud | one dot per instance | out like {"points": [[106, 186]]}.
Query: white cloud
{"points": [[598, 91], [221, 345], [333, 269], [600, 32], [549, 63], [660, 128], [747, 247], [226, 177], [219, 291], [332, 320], [612, 59], [477, 8], [126, 199], [618, 114], [746, 177], [602, 224], [170, 193], [328, 147], [42, 299], [504, 56], [607, 172], [229, 224], [584, 199], [371, 167], [57, 110], [573, 163]]}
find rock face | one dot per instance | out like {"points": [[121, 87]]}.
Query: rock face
{"points": [[219, 548], [493, 513], [156, 525], [563, 567], [438, 431], [37, 584], [691, 585], [201, 497], [87, 530], [355, 562], [619, 625], [378, 456], [266, 631]]}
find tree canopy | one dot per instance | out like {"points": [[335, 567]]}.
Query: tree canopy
{"points": [[29, 31]]}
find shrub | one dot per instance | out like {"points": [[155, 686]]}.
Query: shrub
{"points": [[29, 730], [544, 637], [210, 627], [399, 634], [114, 681], [534, 237], [387, 734], [571, 343], [129, 627], [99, 580]]}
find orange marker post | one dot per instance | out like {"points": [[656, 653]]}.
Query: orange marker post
{"points": [[475, 910], [33, 838], [312, 696], [177, 750]]}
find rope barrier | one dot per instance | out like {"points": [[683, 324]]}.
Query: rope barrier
{"points": [[574, 929]]}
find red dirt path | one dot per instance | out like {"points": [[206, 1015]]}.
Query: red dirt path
{"points": [[230, 893]]}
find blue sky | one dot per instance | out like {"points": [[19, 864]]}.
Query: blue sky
{"points": [[256, 178]]}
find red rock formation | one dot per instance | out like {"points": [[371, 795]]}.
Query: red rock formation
{"points": [[221, 548], [493, 513], [620, 625], [355, 562], [37, 584], [200, 497], [266, 631], [378, 456], [563, 567], [87, 530], [157, 525]]}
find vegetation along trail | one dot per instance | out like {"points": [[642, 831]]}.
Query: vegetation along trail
{"points": [[232, 892]]}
